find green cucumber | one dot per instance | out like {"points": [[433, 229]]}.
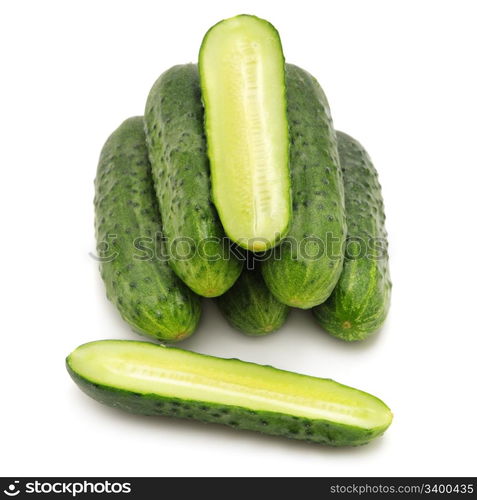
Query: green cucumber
{"points": [[360, 302], [198, 250], [304, 269], [250, 307], [242, 77], [150, 379], [138, 280]]}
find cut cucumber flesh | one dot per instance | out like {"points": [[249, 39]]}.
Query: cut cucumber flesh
{"points": [[145, 378], [242, 74]]}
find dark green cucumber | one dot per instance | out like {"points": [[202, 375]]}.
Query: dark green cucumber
{"points": [[197, 247], [359, 304], [304, 269], [150, 379], [147, 293], [250, 307]]}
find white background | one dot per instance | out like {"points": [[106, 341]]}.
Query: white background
{"points": [[400, 76]]}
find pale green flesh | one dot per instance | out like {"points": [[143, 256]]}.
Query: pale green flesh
{"points": [[243, 86], [147, 368]]}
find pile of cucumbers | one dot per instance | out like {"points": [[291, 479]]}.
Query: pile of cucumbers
{"points": [[235, 185]]}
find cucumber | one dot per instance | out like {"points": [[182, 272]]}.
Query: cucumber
{"points": [[360, 302], [242, 77], [304, 269], [150, 379], [250, 307], [138, 280], [198, 250]]}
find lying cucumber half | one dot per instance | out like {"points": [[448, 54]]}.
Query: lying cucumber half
{"points": [[150, 379], [242, 74]]}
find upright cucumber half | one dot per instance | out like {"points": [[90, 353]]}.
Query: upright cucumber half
{"points": [[242, 75], [304, 269], [250, 307], [359, 304], [147, 293], [198, 250], [146, 378]]}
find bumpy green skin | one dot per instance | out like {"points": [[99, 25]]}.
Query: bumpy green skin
{"points": [[360, 302], [147, 293], [267, 422], [250, 307], [176, 142], [303, 270]]}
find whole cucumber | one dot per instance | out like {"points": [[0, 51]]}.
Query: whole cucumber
{"points": [[250, 307], [360, 302], [303, 270], [198, 250], [147, 293]]}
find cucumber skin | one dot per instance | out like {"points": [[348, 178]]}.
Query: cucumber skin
{"points": [[174, 121], [147, 293], [318, 199], [360, 302], [250, 307], [266, 422]]}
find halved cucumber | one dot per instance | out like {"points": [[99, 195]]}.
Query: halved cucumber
{"points": [[242, 74], [150, 379]]}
